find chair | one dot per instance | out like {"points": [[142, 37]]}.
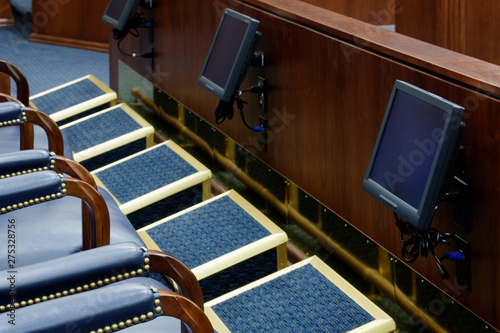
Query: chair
{"points": [[64, 228], [20, 197], [22, 87], [93, 269], [22, 95], [131, 307], [89, 275], [46, 134], [48, 276]]}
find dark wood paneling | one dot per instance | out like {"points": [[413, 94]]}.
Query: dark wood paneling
{"points": [[330, 78], [74, 23], [6, 17], [378, 12], [459, 25], [413, 12]]}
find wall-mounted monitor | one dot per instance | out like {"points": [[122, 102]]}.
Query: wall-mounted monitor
{"points": [[119, 12], [230, 54], [414, 153]]}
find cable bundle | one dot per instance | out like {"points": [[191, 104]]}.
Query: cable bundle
{"points": [[418, 243]]}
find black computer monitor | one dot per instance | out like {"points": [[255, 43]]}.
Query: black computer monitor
{"points": [[416, 145], [230, 54], [119, 12]]}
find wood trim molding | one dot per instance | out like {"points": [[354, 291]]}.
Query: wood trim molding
{"points": [[6, 17], [68, 42]]}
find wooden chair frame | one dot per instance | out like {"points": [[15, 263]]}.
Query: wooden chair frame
{"points": [[54, 135]]}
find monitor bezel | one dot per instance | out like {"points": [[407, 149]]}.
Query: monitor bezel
{"points": [[422, 216], [128, 12], [241, 63]]}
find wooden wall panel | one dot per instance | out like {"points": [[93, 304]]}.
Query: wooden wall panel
{"points": [[330, 78], [464, 26], [73, 23], [378, 12], [6, 17]]}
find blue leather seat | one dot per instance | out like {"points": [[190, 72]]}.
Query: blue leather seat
{"points": [[115, 266], [54, 228], [112, 308], [46, 134]]}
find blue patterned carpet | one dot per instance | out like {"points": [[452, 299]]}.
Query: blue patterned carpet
{"points": [[47, 66], [300, 301]]}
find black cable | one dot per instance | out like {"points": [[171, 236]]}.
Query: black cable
{"points": [[131, 28], [224, 110], [419, 242]]}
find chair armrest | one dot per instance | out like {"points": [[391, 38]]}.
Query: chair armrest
{"points": [[94, 268], [7, 98], [26, 131], [35, 188], [23, 91], [108, 309], [30, 189], [14, 113], [172, 267], [184, 309], [54, 135], [26, 161], [75, 273]]}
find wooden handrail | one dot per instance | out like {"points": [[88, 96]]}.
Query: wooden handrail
{"points": [[430, 58]]}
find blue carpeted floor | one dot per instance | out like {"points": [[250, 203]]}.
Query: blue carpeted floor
{"points": [[47, 66]]}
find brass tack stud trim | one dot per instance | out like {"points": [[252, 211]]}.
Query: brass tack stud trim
{"points": [[78, 289], [129, 322], [31, 202], [14, 121]]}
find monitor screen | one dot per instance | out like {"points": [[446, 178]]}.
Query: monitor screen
{"points": [[228, 59], [119, 12], [416, 144]]}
